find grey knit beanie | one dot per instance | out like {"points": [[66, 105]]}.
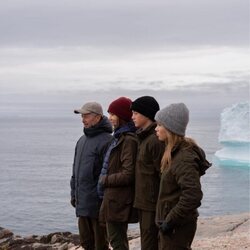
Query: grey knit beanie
{"points": [[174, 117]]}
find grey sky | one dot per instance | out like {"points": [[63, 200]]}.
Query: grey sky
{"points": [[130, 23]]}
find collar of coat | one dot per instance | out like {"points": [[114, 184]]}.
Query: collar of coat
{"points": [[143, 133], [201, 156]]}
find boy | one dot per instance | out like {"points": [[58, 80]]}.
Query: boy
{"points": [[147, 174]]}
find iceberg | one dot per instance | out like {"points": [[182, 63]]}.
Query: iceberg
{"points": [[234, 136]]}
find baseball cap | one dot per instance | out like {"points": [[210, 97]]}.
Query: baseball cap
{"points": [[90, 107]]}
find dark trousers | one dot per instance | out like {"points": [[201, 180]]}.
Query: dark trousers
{"points": [[148, 230], [92, 235], [117, 233], [181, 239]]}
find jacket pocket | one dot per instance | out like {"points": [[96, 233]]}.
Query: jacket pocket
{"points": [[167, 209], [118, 211]]}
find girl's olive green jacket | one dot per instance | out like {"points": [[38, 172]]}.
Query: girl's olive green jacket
{"points": [[180, 189]]}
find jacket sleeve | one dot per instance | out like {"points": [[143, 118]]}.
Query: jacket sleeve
{"points": [[72, 180], [104, 145], [188, 179], [101, 151], [157, 149], [128, 160]]}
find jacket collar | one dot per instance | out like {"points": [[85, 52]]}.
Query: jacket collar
{"points": [[143, 133], [201, 156], [129, 127], [103, 126]]}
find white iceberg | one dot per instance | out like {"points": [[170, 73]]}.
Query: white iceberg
{"points": [[234, 136]]}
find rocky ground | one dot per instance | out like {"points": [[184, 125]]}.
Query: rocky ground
{"points": [[224, 232]]}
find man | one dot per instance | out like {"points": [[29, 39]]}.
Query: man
{"points": [[147, 174], [89, 152]]}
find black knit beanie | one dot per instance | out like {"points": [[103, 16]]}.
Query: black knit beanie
{"points": [[146, 105]]}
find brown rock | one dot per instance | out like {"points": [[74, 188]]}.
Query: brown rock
{"points": [[5, 233]]}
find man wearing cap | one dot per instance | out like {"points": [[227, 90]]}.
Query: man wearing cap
{"points": [[147, 173], [89, 152]]}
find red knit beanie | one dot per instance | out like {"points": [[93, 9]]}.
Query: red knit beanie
{"points": [[121, 108]]}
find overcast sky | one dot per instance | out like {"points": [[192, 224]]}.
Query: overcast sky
{"points": [[130, 23], [73, 44]]}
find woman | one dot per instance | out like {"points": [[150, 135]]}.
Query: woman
{"points": [[117, 175], [180, 192]]}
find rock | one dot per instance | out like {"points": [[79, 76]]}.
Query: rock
{"points": [[222, 225], [56, 238], [41, 246], [74, 238], [3, 241], [71, 245], [221, 232], [59, 240], [63, 246], [5, 233], [44, 239]]}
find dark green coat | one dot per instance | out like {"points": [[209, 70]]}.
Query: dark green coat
{"points": [[118, 197], [180, 190], [148, 165]]}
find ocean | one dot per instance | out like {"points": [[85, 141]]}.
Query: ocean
{"points": [[37, 140]]}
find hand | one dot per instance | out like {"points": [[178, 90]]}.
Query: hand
{"points": [[102, 179], [73, 202], [166, 228]]}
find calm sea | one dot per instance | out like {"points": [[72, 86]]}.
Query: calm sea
{"points": [[37, 141]]}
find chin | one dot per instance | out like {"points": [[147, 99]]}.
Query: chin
{"points": [[160, 139]]}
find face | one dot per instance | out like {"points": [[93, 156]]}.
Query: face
{"points": [[161, 132], [90, 119], [114, 120], [139, 120]]}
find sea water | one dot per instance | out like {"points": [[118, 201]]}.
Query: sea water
{"points": [[37, 141]]}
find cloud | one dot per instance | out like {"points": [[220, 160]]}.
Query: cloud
{"points": [[60, 69], [139, 24]]}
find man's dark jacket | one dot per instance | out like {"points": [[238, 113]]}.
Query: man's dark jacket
{"points": [[89, 153]]}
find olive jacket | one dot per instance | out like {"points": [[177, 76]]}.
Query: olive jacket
{"points": [[147, 177], [117, 205], [180, 189]]}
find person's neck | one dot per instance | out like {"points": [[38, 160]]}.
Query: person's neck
{"points": [[147, 124]]}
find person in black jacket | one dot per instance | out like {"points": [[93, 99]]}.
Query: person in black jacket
{"points": [[89, 152]]}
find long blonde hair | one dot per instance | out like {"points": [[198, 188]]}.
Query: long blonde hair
{"points": [[173, 139]]}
